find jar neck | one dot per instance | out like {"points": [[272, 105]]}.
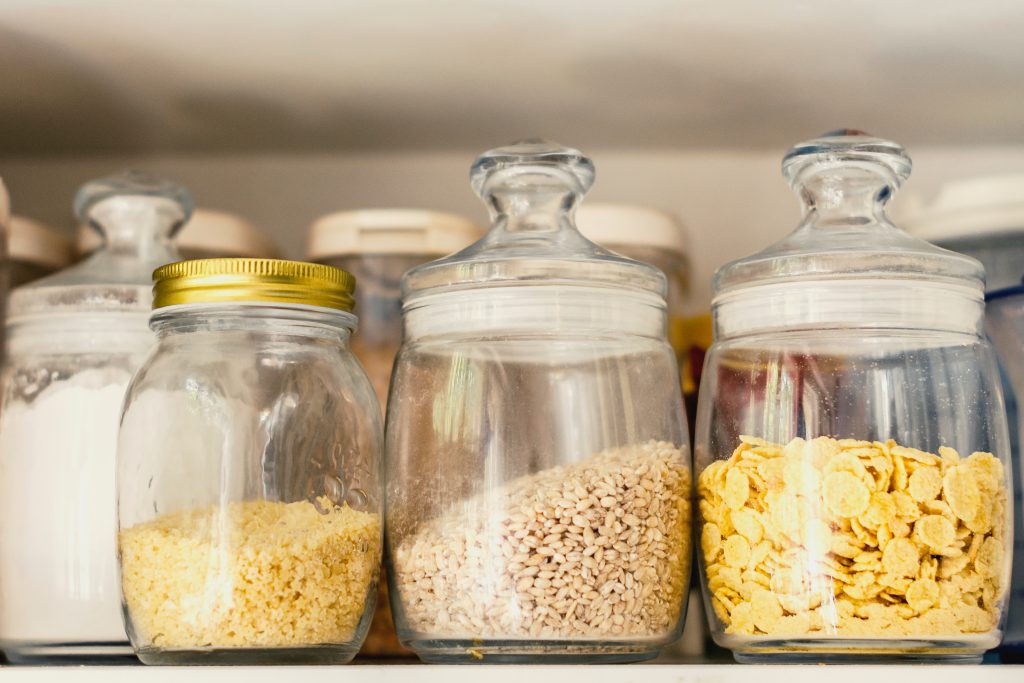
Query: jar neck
{"points": [[845, 196], [265, 318]]}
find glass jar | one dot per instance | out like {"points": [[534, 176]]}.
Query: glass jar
{"points": [[378, 246], [249, 481], [74, 340], [854, 483], [539, 479]]}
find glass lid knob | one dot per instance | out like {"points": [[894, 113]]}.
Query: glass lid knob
{"points": [[131, 205], [533, 160], [846, 147]]}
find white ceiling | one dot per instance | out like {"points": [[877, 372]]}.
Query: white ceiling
{"points": [[104, 76]]}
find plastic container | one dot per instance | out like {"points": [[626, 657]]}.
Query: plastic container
{"points": [[983, 217], [208, 234], [249, 523], [657, 237], [539, 479], [378, 246], [1005, 324], [36, 250], [652, 236], [74, 340], [852, 449]]}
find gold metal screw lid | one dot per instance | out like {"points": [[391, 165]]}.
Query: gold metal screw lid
{"points": [[252, 279]]}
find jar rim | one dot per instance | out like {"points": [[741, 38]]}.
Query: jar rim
{"points": [[283, 311]]}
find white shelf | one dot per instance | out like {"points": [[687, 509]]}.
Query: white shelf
{"points": [[635, 673]]}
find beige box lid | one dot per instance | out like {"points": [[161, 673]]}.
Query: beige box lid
{"points": [[390, 231], [613, 225], [33, 242]]}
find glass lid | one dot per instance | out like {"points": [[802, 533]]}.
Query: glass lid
{"points": [[136, 216], [844, 180], [531, 189]]}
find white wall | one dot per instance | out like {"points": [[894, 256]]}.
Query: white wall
{"points": [[734, 203]]}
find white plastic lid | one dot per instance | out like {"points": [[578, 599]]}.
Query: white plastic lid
{"points": [[390, 231], [32, 242], [217, 232], [988, 205], [633, 225]]}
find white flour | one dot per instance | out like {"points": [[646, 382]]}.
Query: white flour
{"points": [[58, 564]]}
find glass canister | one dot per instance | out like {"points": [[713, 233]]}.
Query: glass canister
{"points": [[378, 246], [208, 234], [36, 250], [539, 483], [854, 483], [74, 340], [249, 470]]}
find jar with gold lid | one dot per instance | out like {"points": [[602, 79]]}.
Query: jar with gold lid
{"points": [[249, 499]]}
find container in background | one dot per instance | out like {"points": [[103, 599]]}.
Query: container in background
{"points": [[36, 250], [853, 456], [74, 340], [208, 234], [249, 470], [652, 236], [1005, 324], [659, 238], [378, 246], [537, 451], [5, 217], [983, 217]]}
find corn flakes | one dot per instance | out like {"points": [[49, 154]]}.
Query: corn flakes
{"points": [[839, 538]]}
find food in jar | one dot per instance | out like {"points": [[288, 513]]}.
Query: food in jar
{"points": [[251, 574], [68, 422], [599, 548], [844, 537]]}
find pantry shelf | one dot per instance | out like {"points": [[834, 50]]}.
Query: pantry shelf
{"points": [[415, 673]]}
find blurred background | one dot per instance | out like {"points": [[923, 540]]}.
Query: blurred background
{"points": [[283, 111]]}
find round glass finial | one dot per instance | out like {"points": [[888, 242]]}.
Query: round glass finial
{"points": [[131, 183], [846, 147], [533, 156]]}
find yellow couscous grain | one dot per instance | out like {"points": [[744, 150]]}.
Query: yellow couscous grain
{"points": [[250, 574]]}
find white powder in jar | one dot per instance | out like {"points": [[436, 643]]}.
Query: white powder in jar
{"points": [[58, 564]]}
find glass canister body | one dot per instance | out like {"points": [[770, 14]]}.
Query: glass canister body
{"points": [[853, 486], [75, 338], [249, 498], [64, 384], [538, 484], [538, 469]]}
